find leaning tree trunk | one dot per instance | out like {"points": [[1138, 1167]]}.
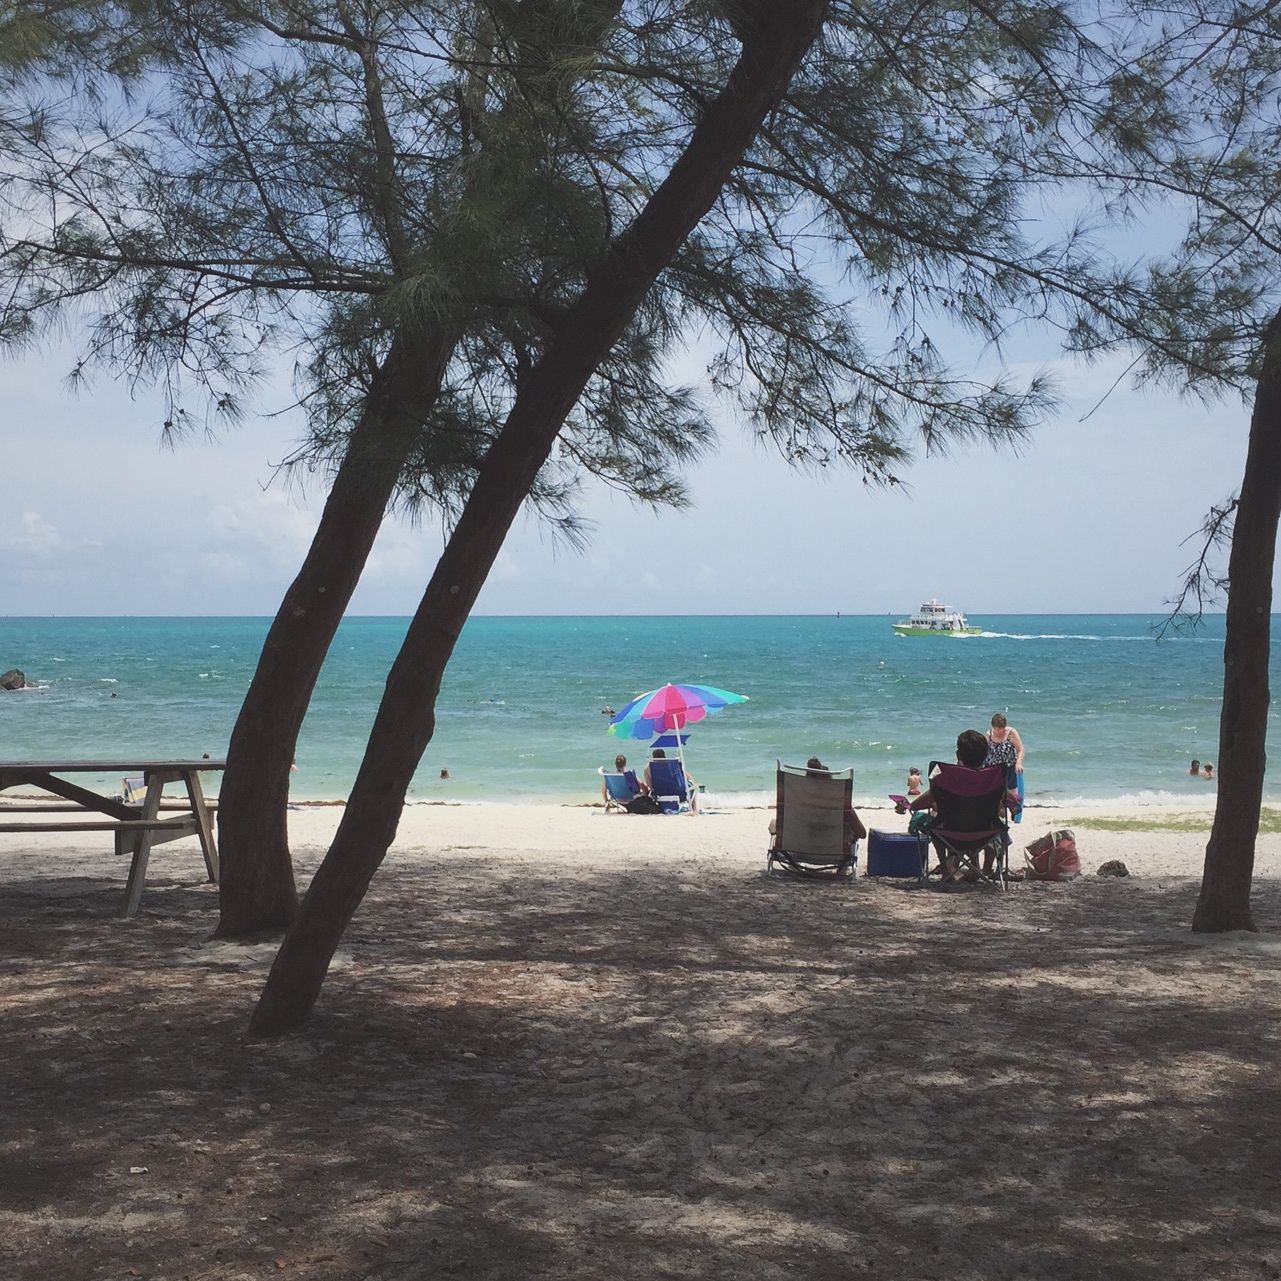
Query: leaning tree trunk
{"points": [[258, 885], [1224, 903], [773, 47], [257, 878]]}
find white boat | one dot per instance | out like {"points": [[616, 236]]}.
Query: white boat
{"points": [[935, 619]]}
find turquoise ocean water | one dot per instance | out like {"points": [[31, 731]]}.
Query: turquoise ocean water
{"points": [[1106, 711]]}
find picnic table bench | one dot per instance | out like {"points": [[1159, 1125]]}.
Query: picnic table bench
{"points": [[137, 827]]}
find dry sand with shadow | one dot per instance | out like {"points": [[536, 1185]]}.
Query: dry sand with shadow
{"points": [[539, 1060]]}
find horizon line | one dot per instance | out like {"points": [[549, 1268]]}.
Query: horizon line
{"points": [[1067, 613]]}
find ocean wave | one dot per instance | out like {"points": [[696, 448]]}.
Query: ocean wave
{"points": [[740, 800], [1146, 799]]}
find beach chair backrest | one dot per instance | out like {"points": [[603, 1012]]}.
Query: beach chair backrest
{"points": [[134, 789], [968, 800], [667, 777], [813, 812], [621, 787]]}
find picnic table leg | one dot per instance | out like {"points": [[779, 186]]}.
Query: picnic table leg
{"points": [[204, 828], [142, 850]]}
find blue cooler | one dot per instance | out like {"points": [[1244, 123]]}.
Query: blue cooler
{"points": [[893, 854]]}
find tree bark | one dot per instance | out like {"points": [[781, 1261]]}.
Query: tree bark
{"points": [[774, 42], [1224, 902], [257, 892]]}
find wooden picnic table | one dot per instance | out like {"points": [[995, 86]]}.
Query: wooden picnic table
{"points": [[136, 827]]}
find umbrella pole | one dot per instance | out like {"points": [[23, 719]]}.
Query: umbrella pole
{"points": [[680, 751]]}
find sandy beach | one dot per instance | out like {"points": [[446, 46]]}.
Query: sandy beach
{"points": [[563, 1044]]}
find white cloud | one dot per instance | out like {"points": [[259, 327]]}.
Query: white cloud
{"points": [[225, 565], [507, 567], [35, 536], [263, 530], [403, 552]]}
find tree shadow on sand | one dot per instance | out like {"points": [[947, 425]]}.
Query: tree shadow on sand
{"points": [[520, 1071]]}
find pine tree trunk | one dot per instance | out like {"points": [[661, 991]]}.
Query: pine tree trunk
{"points": [[774, 43], [257, 892], [1224, 903]]}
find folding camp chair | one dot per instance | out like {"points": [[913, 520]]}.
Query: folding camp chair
{"points": [[668, 784], [619, 788], [969, 805], [813, 822]]}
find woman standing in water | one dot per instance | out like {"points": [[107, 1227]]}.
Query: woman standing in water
{"points": [[1005, 747]]}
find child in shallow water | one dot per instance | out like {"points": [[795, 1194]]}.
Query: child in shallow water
{"points": [[914, 781]]}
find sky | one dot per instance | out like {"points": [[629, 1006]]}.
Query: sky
{"points": [[97, 517]]}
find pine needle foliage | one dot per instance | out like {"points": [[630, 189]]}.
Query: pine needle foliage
{"points": [[199, 190]]}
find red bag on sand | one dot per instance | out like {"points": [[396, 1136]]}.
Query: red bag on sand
{"points": [[1053, 858]]}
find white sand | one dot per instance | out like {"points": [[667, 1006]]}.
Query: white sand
{"points": [[738, 836]]}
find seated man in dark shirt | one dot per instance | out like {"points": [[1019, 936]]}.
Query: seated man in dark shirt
{"points": [[971, 750]]}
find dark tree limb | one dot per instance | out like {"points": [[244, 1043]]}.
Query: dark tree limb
{"points": [[1203, 584], [775, 42]]}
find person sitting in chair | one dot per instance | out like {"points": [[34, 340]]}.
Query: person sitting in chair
{"points": [[814, 768], [971, 751], [637, 787], [691, 788]]}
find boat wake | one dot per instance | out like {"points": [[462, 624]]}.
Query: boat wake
{"points": [[1072, 636]]}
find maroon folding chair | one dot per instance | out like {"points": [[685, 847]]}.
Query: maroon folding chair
{"points": [[970, 817]]}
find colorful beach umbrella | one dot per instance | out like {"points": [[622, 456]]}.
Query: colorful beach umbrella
{"points": [[669, 709]]}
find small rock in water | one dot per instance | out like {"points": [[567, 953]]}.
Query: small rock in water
{"points": [[13, 679], [1114, 867]]}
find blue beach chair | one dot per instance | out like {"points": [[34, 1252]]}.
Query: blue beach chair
{"points": [[619, 788], [669, 785]]}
